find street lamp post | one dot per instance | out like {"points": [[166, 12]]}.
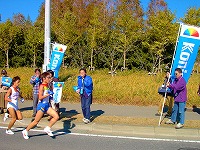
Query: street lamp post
{"points": [[47, 35]]}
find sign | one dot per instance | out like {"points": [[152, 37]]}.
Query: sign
{"points": [[57, 89], [186, 50], [6, 81], [57, 57]]}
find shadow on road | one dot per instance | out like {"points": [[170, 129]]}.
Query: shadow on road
{"points": [[95, 114], [67, 114], [26, 108], [67, 123], [196, 109]]}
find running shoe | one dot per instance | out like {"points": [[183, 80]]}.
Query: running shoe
{"points": [[48, 131], [25, 134], [8, 131]]}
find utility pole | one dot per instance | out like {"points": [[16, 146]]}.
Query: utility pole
{"points": [[47, 35]]}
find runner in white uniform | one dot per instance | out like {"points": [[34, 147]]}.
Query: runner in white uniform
{"points": [[14, 97], [11, 97]]}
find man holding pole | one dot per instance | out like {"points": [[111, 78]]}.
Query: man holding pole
{"points": [[180, 98]]}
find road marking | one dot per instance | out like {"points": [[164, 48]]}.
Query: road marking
{"points": [[135, 138], [113, 136]]}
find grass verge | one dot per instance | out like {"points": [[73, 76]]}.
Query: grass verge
{"points": [[126, 88]]}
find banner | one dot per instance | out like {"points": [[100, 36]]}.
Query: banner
{"points": [[6, 81], [57, 89], [57, 57], [186, 50]]}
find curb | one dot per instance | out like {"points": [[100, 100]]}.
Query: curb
{"points": [[115, 129]]}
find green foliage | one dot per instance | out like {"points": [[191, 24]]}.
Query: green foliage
{"points": [[100, 34]]}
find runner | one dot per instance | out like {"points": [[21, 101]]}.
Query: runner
{"points": [[12, 97], [43, 107]]}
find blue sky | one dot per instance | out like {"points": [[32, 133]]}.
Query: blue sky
{"points": [[31, 7]]}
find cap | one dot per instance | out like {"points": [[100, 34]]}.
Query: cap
{"points": [[3, 72]]}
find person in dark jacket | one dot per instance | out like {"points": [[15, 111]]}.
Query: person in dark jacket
{"points": [[169, 97], [85, 88], [180, 98]]}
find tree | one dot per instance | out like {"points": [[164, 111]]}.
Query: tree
{"points": [[7, 32], [192, 17], [161, 32], [34, 40], [129, 23], [95, 30], [111, 53]]}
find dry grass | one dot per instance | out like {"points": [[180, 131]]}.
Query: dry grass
{"points": [[126, 88]]}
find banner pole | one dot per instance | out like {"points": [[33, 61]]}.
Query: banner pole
{"points": [[170, 74]]}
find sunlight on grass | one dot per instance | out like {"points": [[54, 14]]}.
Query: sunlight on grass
{"points": [[126, 88]]}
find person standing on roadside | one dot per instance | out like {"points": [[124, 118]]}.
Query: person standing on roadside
{"points": [[3, 89], [85, 87], [169, 97], [180, 98], [54, 105], [3, 74], [35, 82]]}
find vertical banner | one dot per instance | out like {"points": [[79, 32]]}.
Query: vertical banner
{"points": [[57, 57], [57, 89], [186, 50]]}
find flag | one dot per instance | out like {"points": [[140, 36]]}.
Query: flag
{"points": [[6, 81], [57, 90], [57, 57], [186, 51]]}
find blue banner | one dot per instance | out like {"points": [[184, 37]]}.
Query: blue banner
{"points": [[56, 58], [6, 81], [57, 89], [186, 50]]}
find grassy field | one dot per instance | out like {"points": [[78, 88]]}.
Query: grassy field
{"points": [[126, 88]]}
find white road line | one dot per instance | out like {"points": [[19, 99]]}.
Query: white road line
{"points": [[112, 136]]}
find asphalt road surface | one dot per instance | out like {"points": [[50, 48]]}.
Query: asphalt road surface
{"points": [[74, 141]]}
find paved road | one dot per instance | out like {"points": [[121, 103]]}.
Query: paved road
{"points": [[117, 110], [63, 141]]}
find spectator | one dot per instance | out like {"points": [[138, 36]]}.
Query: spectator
{"points": [[54, 105], [3, 74], [85, 87], [169, 97], [3, 88], [180, 98], [35, 82]]}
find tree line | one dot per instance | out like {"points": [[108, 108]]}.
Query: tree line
{"points": [[98, 33]]}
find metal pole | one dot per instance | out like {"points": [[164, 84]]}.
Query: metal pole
{"points": [[170, 74], [47, 35]]}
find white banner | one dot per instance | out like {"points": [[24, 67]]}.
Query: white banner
{"points": [[57, 89]]}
